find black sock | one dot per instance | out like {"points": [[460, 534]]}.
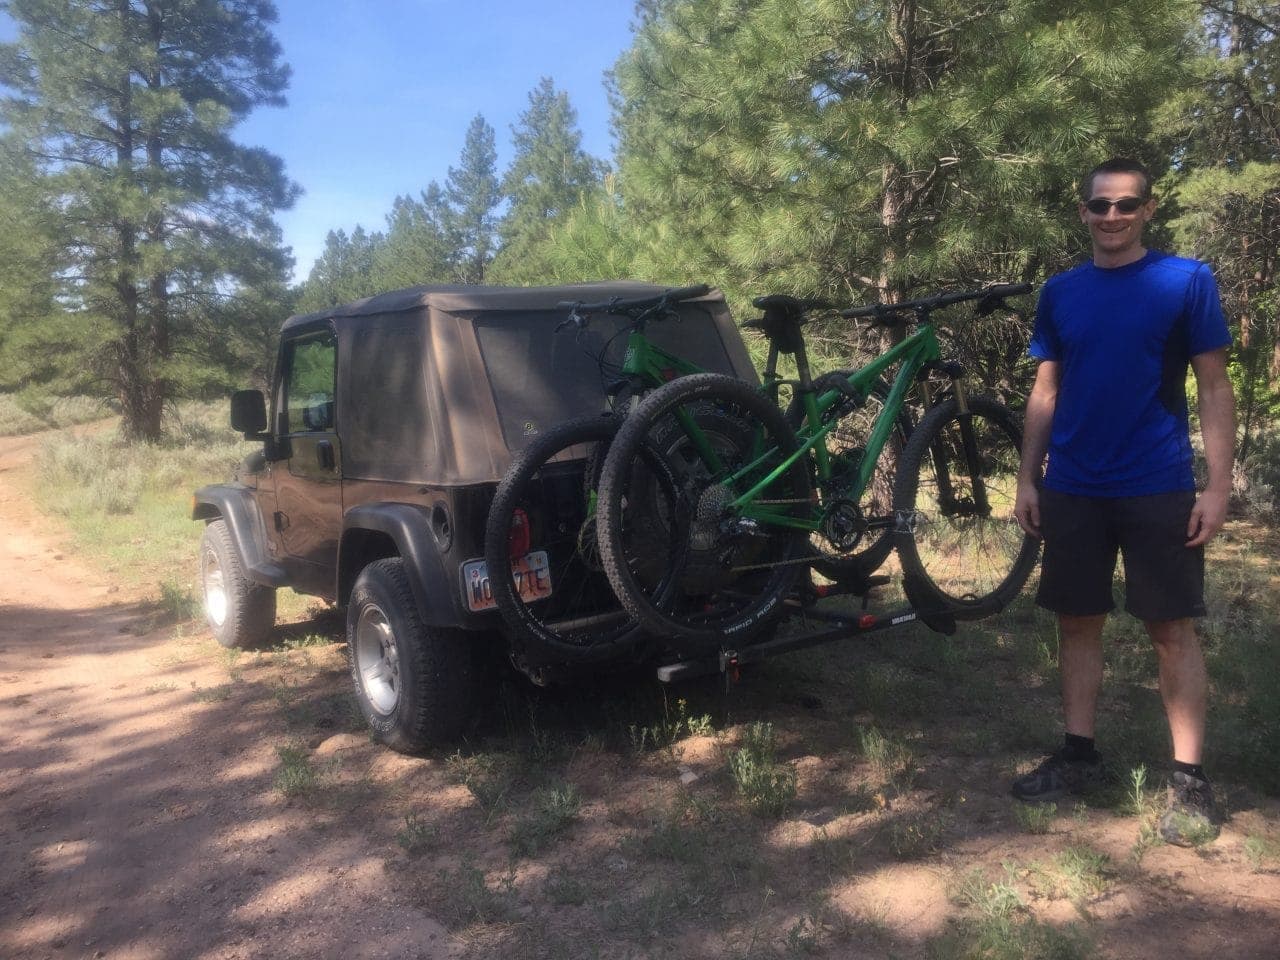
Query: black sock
{"points": [[1190, 769], [1079, 748]]}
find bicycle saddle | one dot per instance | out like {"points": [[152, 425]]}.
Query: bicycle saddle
{"points": [[790, 304], [783, 317]]}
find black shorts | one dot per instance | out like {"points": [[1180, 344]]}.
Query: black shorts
{"points": [[1164, 578]]}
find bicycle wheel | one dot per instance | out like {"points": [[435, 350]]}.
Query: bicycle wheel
{"points": [[545, 503], [959, 543], [857, 535], [681, 559]]}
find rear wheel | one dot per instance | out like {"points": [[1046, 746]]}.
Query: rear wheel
{"points": [[682, 559], [415, 684], [546, 503], [959, 542]]}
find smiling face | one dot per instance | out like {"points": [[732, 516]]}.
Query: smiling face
{"points": [[1117, 236]]}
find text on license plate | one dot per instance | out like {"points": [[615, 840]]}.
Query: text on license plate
{"points": [[531, 573]]}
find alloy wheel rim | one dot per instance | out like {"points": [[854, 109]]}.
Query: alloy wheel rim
{"points": [[215, 589], [378, 660]]}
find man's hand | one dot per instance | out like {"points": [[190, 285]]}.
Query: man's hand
{"points": [[1027, 507], [1207, 517]]}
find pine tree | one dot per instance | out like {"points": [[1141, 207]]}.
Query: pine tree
{"points": [[472, 192], [1226, 188], [863, 150], [38, 341], [344, 271], [416, 248], [127, 106], [547, 178]]}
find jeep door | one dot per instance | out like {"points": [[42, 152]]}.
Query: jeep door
{"points": [[308, 514]]}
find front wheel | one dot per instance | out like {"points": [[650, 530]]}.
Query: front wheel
{"points": [[958, 539], [415, 684], [685, 558], [241, 613]]}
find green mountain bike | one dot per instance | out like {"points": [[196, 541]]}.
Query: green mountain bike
{"points": [[720, 542]]}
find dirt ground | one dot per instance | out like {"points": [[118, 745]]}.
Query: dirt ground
{"points": [[138, 820], [142, 816]]}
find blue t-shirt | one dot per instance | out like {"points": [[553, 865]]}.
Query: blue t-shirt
{"points": [[1123, 337]]}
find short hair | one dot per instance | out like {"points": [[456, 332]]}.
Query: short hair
{"points": [[1116, 165]]}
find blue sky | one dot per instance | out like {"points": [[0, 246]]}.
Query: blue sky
{"points": [[383, 91]]}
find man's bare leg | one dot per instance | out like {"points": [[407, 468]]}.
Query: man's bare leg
{"points": [[1183, 684], [1080, 660]]}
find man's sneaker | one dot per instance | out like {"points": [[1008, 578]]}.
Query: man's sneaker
{"points": [[1056, 777], [1192, 818]]}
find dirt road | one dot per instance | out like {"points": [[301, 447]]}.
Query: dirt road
{"points": [[138, 812]]}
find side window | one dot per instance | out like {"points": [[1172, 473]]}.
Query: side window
{"points": [[308, 389]]}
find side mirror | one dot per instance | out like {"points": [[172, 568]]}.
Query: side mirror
{"points": [[249, 413]]}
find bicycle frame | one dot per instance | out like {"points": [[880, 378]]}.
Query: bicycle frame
{"points": [[914, 354]]}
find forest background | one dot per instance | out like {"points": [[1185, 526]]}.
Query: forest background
{"points": [[856, 151]]}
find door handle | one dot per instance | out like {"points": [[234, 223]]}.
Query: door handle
{"points": [[324, 454]]}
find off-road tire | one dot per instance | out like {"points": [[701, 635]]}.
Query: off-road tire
{"points": [[240, 612], [730, 616], [419, 690], [582, 619], [954, 560]]}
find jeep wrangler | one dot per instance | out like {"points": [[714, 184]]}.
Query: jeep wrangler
{"points": [[389, 425]]}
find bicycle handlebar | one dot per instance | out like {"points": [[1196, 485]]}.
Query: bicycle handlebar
{"points": [[991, 296], [617, 305]]}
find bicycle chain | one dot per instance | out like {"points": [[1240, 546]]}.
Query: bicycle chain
{"points": [[901, 523]]}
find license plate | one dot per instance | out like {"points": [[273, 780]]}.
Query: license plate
{"points": [[531, 572]]}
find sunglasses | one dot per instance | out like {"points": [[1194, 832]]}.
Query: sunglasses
{"points": [[1101, 205]]}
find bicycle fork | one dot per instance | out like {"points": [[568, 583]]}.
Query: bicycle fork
{"points": [[972, 458]]}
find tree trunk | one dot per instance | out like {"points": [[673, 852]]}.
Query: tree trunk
{"points": [[159, 387], [131, 353]]}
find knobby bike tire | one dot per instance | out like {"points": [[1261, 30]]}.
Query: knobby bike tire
{"points": [[582, 619], [956, 556], [854, 564], [724, 579]]}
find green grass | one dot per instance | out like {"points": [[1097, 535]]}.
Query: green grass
{"points": [[108, 490], [998, 926], [212, 694], [490, 778], [1035, 817], [669, 728], [1262, 851], [766, 786], [552, 810], [464, 895], [892, 762], [32, 412], [417, 836], [1078, 873], [297, 777]]}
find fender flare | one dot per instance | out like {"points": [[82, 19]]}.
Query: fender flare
{"points": [[409, 528], [234, 503]]}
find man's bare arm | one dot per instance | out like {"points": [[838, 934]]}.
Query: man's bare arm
{"points": [[1218, 428], [1036, 428]]}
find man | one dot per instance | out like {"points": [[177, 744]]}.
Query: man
{"points": [[1114, 337]]}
